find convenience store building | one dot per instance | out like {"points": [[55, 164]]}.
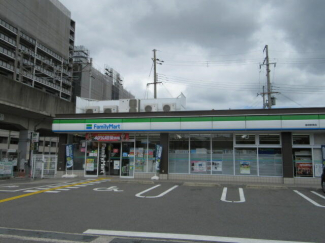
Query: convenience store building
{"points": [[268, 146]]}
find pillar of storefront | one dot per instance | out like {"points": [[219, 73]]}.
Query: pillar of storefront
{"points": [[286, 138], [164, 137], [64, 139], [24, 148]]}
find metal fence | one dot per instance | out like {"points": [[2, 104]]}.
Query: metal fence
{"points": [[44, 166]]}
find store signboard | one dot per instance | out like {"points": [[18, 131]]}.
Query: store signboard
{"points": [[69, 155], [107, 137], [35, 137], [103, 126]]}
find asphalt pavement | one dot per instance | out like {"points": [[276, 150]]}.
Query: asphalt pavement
{"points": [[161, 210]]}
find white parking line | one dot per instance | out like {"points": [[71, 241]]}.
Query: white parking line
{"points": [[31, 191], [241, 196], [167, 236], [318, 194], [63, 189], [308, 199], [151, 188], [52, 192]]}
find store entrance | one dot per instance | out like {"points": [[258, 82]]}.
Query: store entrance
{"points": [[116, 159]]}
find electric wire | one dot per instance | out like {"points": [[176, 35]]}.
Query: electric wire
{"points": [[292, 100]]}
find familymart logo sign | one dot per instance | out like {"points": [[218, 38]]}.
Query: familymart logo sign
{"points": [[107, 127]]}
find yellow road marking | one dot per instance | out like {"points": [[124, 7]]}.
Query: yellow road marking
{"points": [[51, 189]]}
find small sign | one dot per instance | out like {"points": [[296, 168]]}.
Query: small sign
{"points": [[35, 137], [2, 117]]}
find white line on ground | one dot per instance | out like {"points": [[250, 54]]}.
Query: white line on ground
{"points": [[241, 196], [151, 188], [52, 192], [181, 236], [64, 189], [31, 191], [318, 194], [308, 199]]}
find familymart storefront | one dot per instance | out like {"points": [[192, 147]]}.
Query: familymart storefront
{"points": [[274, 146]]}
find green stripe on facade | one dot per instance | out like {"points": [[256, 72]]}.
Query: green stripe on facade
{"points": [[104, 120], [300, 117], [196, 119], [229, 118], [135, 120], [69, 121], [169, 119], [263, 118]]}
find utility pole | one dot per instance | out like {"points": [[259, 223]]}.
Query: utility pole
{"points": [[90, 68], [269, 103], [155, 73], [269, 87]]}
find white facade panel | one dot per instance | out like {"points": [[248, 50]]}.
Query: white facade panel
{"points": [[72, 127], [136, 126], [263, 124], [196, 125], [321, 123], [228, 125], [165, 125], [300, 123]]}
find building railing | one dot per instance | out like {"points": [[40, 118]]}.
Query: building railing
{"points": [[8, 26], [27, 50], [7, 39], [29, 39], [7, 52], [50, 52], [6, 66], [39, 68]]}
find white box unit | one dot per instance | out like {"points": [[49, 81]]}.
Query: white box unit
{"points": [[169, 107], [110, 109], [129, 105], [92, 109], [150, 108]]}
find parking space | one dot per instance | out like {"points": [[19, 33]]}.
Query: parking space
{"points": [[175, 207]]}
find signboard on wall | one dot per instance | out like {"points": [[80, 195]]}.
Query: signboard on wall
{"points": [[107, 137]]}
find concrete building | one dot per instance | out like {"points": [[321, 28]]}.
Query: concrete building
{"points": [[36, 50], [106, 86], [36, 45]]}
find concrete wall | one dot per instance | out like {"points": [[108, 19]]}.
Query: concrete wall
{"points": [[20, 96], [41, 19]]}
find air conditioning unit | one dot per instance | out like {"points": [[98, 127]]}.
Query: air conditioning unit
{"points": [[134, 105], [169, 107], [150, 108], [92, 109], [110, 109]]}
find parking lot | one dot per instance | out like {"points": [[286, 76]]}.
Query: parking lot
{"points": [[100, 206]]}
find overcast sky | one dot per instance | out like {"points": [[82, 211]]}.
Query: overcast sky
{"points": [[211, 48]]}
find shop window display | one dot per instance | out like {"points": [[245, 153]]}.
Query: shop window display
{"points": [[298, 139], [303, 165], [178, 153], [270, 162], [150, 153], [222, 154], [200, 153], [141, 157], [91, 166], [245, 139], [246, 161]]}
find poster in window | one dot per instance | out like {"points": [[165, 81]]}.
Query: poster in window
{"points": [[304, 169], [116, 164], [318, 170], [199, 166], [90, 165], [245, 167], [217, 165]]}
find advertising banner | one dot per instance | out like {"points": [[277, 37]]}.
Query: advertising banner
{"points": [[304, 169], [90, 165], [69, 155], [158, 156], [217, 165], [107, 137], [199, 166], [323, 154], [245, 167]]}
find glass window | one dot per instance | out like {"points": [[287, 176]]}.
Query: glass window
{"points": [[14, 140], [245, 139], [200, 153], [246, 161], [269, 138], [318, 162], [270, 161], [319, 138], [300, 139], [153, 140], [141, 144], [303, 166], [178, 153], [222, 154]]}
